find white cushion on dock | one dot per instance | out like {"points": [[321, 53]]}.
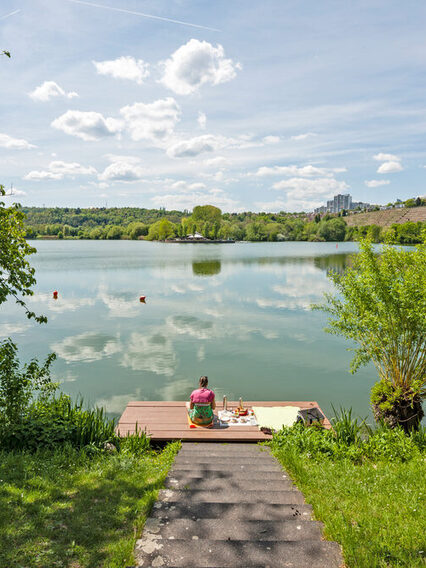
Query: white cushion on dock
{"points": [[275, 417]]}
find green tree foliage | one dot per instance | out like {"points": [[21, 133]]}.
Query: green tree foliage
{"points": [[136, 230], [381, 306], [207, 213], [332, 230], [114, 232], [161, 230], [18, 386], [95, 223], [16, 274]]}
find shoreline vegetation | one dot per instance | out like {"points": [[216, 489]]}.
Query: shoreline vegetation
{"points": [[131, 223]]}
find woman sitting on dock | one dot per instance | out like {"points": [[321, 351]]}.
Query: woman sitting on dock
{"points": [[202, 404]]}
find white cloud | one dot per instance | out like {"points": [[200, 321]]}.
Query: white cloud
{"points": [[386, 158], [89, 126], [188, 200], [59, 169], [376, 182], [195, 64], [271, 139], [195, 146], [303, 136], [185, 186], [391, 163], [202, 120], [154, 121], [122, 171], [39, 175], [7, 141], [123, 158], [303, 194], [304, 171], [218, 161], [271, 206], [310, 187], [48, 90], [125, 67], [71, 168], [15, 192], [389, 168]]}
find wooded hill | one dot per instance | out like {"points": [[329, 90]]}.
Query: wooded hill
{"points": [[387, 217]]}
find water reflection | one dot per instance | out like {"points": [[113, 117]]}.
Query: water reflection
{"points": [[206, 267], [86, 347], [239, 314]]}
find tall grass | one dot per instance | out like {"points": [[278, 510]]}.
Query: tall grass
{"points": [[57, 421]]}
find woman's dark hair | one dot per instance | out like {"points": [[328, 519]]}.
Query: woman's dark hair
{"points": [[204, 381]]}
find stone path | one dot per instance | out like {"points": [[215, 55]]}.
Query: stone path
{"points": [[232, 505]]}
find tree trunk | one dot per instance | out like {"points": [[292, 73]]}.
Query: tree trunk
{"points": [[405, 413]]}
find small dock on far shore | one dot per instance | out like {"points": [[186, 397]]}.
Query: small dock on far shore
{"points": [[165, 421]]}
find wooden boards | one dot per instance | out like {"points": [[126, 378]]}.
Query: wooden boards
{"points": [[167, 420]]}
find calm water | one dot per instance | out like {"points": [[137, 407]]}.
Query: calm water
{"points": [[238, 313]]}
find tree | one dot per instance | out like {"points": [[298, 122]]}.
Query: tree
{"points": [[115, 232], [332, 230], [381, 306], [208, 213], [16, 274], [161, 230]]}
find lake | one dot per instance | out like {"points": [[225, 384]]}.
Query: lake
{"points": [[239, 313]]}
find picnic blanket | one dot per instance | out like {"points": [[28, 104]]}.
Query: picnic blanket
{"points": [[275, 417], [193, 425]]}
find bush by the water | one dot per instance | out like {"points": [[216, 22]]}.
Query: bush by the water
{"points": [[34, 415]]}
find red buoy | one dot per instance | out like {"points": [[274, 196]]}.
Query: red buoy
{"points": [[55, 295], [142, 299]]}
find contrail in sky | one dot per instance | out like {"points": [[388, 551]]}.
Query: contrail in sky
{"points": [[142, 14], [11, 14]]}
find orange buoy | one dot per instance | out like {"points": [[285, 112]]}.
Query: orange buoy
{"points": [[142, 299], [55, 295]]}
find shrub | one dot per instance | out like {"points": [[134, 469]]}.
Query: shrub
{"points": [[58, 421], [351, 439]]}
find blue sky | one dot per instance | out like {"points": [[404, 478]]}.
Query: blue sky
{"points": [[273, 105]]}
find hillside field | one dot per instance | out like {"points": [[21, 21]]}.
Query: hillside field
{"points": [[387, 217]]}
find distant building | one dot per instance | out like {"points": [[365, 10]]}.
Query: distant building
{"points": [[360, 205], [337, 204]]}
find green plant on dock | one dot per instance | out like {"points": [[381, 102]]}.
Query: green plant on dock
{"points": [[381, 306]]}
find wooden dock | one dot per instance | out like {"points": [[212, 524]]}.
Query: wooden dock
{"points": [[165, 421]]}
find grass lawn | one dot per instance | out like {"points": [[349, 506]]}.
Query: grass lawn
{"points": [[376, 511], [65, 509]]}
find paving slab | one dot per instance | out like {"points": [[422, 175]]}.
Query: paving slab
{"points": [[233, 511], [210, 553], [225, 465], [225, 484], [228, 529], [231, 496], [236, 474]]}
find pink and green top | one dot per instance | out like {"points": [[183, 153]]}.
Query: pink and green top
{"points": [[202, 396]]}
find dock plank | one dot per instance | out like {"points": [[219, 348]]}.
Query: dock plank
{"points": [[167, 420]]}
